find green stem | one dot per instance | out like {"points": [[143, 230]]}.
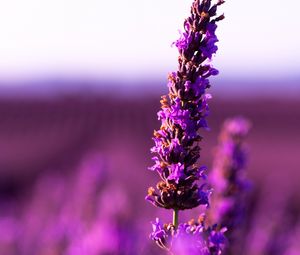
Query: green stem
{"points": [[175, 218]]}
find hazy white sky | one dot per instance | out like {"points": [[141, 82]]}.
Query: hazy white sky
{"points": [[132, 38]]}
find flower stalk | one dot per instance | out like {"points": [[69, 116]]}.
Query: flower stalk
{"points": [[177, 142], [175, 218]]}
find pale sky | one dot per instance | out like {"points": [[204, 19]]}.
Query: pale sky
{"points": [[131, 38]]}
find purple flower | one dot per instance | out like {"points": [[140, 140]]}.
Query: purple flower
{"points": [[183, 113], [228, 176], [217, 239], [198, 87], [156, 166], [183, 42], [190, 238], [158, 231], [209, 47], [176, 172]]}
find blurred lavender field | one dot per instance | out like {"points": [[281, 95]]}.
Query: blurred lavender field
{"points": [[74, 170], [80, 84]]}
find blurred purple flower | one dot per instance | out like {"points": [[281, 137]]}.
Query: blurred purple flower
{"points": [[228, 176], [230, 185], [68, 213]]}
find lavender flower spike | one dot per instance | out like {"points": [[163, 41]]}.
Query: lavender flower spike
{"points": [[183, 112], [230, 185], [228, 176]]}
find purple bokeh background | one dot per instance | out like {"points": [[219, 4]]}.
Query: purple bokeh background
{"points": [[74, 163]]}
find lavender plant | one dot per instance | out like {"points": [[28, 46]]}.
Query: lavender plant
{"points": [[183, 112], [228, 178]]}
